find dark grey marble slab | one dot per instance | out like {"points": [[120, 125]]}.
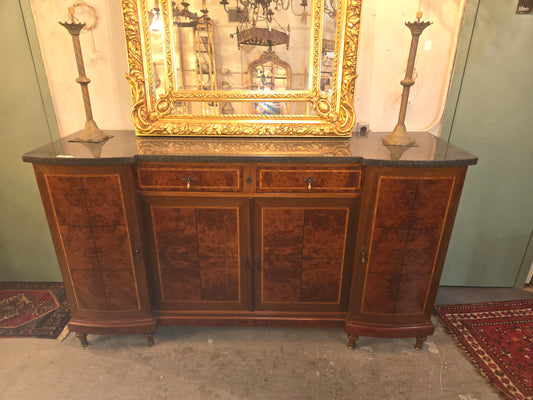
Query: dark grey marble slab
{"points": [[125, 148]]}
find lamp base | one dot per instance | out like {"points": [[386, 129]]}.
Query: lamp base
{"points": [[91, 134], [399, 137]]}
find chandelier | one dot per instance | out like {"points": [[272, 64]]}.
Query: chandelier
{"points": [[183, 17], [257, 18], [331, 8]]}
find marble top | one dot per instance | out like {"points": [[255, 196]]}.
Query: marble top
{"points": [[126, 148]]}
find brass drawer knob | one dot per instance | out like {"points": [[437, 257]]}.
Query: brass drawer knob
{"points": [[309, 181], [188, 179]]}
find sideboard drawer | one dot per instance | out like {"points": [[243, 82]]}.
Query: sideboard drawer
{"points": [[320, 179], [190, 178]]}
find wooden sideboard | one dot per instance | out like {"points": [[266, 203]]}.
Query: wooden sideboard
{"points": [[147, 236]]}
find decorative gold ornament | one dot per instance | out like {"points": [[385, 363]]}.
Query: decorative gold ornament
{"points": [[156, 114]]}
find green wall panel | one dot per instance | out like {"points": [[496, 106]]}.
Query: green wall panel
{"points": [[26, 250], [493, 118]]}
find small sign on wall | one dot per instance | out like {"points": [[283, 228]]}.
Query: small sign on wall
{"points": [[524, 7]]}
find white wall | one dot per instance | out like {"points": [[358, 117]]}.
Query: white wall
{"points": [[384, 45], [383, 51], [109, 89]]}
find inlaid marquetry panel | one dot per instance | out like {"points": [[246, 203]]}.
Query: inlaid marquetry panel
{"points": [[396, 199], [68, 199], [412, 293], [324, 233], [218, 233], [320, 280], [180, 278], [90, 213], [281, 279], [205, 178], [388, 250], [219, 278], [381, 292], [432, 202], [197, 252], [420, 250], [89, 290], [120, 289], [175, 231], [303, 254], [112, 247], [294, 179], [408, 224], [282, 232], [104, 200], [79, 247]]}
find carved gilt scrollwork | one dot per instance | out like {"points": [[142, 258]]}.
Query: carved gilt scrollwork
{"points": [[333, 115], [349, 65]]}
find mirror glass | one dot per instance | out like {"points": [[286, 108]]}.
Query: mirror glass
{"points": [[245, 45]]}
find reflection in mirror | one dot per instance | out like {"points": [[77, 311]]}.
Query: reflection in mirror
{"points": [[156, 46], [213, 45], [328, 46], [269, 73], [263, 108]]}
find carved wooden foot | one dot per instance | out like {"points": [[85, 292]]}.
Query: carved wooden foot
{"points": [[351, 341], [419, 342], [83, 339], [150, 338]]}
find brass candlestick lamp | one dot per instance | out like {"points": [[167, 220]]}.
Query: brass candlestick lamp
{"points": [[91, 133], [399, 136]]}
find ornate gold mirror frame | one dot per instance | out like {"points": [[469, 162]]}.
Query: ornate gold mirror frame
{"points": [[332, 113]]}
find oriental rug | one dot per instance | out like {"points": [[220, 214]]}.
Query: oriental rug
{"points": [[499, 339], [32, 310]]}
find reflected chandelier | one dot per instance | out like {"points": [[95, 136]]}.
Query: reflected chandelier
{"points": [[251, 13]]}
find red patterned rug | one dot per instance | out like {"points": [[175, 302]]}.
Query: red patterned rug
{"points": [[499, 339], [32, 310]]}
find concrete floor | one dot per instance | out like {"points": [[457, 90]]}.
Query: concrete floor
{"points": [[246, 363]]}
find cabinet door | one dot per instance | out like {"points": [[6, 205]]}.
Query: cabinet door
{"points": [[94, 219], [200, 252], [303, 253], [405, 225]]}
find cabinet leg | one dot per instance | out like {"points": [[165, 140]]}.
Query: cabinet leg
{"points": [[351, 341], [419, 342], [83, 339], [150, 338]]}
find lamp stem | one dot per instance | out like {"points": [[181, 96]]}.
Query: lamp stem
{"points": [[408, 81], [82, 79], [91, 133], [399, 136]]}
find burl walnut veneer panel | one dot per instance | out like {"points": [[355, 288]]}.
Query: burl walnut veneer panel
{"points": [[303, 253], [292, 179], [408, 224], [197, 253], [205, 178], [89, 211]]}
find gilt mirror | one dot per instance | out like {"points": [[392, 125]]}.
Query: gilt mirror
{"points": [[242, 67]]}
